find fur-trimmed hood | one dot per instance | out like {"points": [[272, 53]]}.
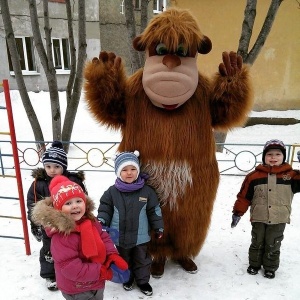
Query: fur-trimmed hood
{"points": [[40, 173], [44, 214]]}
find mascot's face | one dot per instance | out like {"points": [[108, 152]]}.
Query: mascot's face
{"points": [[169, 80], [172, 41]]}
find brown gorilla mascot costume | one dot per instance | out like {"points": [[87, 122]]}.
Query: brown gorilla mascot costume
{"points": [[168, 111]]}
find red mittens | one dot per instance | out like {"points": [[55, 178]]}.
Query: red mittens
{"points": [[117, 260], [105, 273]]}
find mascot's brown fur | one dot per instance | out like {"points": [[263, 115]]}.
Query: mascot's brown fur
{"points": [[168, 111]]}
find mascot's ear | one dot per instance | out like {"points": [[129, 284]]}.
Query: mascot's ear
{"points": [[137, 45], [205, 45]]}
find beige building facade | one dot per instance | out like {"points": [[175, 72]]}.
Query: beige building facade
{"points": [[276, 71]]}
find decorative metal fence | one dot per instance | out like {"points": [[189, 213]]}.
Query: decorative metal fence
{"points": [[235, 159]]}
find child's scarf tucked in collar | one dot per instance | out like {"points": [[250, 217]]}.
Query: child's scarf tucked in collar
{"points": [[131, 187], [92, 245]]}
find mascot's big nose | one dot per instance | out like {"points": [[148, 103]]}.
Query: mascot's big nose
{"points": [[171, 61]]}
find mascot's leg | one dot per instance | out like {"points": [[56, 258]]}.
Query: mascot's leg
{"points": [[188, 265], [158, 267], [185, 229]]}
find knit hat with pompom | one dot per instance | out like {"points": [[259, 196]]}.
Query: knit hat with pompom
{"points": [[62, 189], [125, 159], [56, 155]]}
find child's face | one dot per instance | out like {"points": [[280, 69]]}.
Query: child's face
{"points": [[53, 170], [74, 207], [129, 174], [274, 157]]}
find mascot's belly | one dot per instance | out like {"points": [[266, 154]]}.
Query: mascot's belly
{"points": [[187, 196], [169, 179]]}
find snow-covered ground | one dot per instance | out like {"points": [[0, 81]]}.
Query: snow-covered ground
{"points": [[223, 259]]}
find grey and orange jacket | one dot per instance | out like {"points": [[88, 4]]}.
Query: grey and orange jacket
{"points": [[269, 191]]}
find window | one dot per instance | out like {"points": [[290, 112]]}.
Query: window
{"points": [[137, 4], [159, 6], [26, 54], [59, 1], [122, 8], [61, 54]]}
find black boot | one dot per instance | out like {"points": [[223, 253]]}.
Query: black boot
{"points": [[253, 270], [269, 274]]}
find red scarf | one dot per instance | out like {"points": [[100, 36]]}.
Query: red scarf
{"points": [[92, 245]]}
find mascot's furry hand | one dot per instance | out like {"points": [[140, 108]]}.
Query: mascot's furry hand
{"points": [[232, 64], [105, 87], [107, 65], [109, 59]]}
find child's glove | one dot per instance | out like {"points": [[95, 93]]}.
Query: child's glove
{"points": [[159, 233], [36, 231], [117, 260], [235, 220], [113, 233], [105, 273], [119, 268], [119, 276]]}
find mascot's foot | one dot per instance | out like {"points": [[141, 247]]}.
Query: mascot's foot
{"points": [[188, 265], [158, 267]]}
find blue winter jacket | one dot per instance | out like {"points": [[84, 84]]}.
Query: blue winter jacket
{"points": [[133, 214]]}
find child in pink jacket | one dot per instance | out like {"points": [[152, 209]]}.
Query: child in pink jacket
{"points": [[84, 255]]}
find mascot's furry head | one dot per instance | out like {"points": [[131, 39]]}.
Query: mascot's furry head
{"points": [[174, 27], [171, 41]]}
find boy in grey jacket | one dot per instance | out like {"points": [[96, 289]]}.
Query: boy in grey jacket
{"points": [[131, 207], [269, 190]]}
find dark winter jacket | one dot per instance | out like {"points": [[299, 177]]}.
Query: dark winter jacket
{"points": [[74, 272], [39, 189], [269, 190], [133, 214]]}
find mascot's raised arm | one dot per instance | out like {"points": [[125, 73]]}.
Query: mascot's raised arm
{"points": [[168, 111]]}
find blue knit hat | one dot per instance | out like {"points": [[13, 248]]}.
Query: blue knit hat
{"points": [[124, 159], [56, 155]]}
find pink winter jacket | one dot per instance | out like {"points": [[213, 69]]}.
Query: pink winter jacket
{"points": [[74, 273]]}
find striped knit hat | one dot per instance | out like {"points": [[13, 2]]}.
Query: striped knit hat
{"points": [[125, 159], [56, 155]]}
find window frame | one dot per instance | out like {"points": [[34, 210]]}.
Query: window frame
{"points": [[62, 69], [157, 10], [25, 56]]}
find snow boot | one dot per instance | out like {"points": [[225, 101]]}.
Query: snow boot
{"points": [[253, 270], [146, 289], [51, 284], [128, 286], [269, 274]]}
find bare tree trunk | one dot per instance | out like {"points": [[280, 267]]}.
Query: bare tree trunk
{"points": [[144, 23], [250, 12], [247, 27], [130, 25], [47, 63], [243, 49], [76, 78], [11, 42]]}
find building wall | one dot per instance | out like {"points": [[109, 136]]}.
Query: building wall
{"points": [[275, 72], [20, 15]]}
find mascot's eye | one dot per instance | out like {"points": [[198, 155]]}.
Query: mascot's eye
{"points": [[161, 49], [181, 51]]}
